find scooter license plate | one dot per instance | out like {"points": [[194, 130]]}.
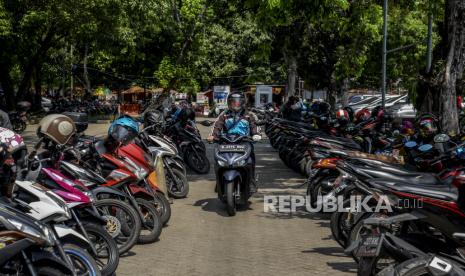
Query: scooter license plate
{"points": [[231, 148], [370, 246], [340, 188]]}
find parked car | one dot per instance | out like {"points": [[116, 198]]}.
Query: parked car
{"points": [[46, 104], [405, 111]]}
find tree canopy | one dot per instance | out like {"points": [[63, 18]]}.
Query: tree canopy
{"points": [[190, 45]]}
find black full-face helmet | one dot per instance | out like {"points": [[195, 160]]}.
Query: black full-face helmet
{"points": [[236, 102]]}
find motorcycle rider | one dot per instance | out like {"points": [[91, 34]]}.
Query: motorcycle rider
{"points": [[237, 120]]}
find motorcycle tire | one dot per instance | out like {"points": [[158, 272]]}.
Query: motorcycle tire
{"points": [[125, 241], [151, 229], [198, 162], [230, 199], [320, 189], [82, 261], [163, 207], [339, 230], [48, 271], [103, 241], [178, 186], [414, 267]]}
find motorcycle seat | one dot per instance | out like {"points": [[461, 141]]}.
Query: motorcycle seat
{"points": [[390, 172], [442, 192], [341, 141], [99, 147]]}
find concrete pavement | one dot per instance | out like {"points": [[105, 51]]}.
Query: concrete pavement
{"points": [[202, 240]]}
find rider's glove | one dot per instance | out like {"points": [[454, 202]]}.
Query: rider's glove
{"points": [[257, 137]]}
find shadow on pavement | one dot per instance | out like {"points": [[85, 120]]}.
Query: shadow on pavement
{"points": [[215, 205], [350, 267], [128, 254], [212, 205], [328, 251]]}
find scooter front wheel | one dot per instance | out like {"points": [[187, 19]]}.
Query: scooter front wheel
{"points": [[230, 199]]}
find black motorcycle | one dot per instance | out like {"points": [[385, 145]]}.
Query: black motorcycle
{"points": [[190, 146], [18, 118], [28, 246], [234, 169]]}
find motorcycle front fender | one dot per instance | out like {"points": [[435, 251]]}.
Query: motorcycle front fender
{"points": [[140, 192], [69, 235], [231, 175], [13, 249], [44, 257], [400, 249], [91, 215], [174, 162], [99, 191]]}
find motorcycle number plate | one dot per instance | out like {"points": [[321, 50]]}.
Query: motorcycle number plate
{"points": [[340, 188], [231, 148], [370, 246]]}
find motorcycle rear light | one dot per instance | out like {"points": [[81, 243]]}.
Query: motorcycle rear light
{"points": [[152, 179], [327, 163]]}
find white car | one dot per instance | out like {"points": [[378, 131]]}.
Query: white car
{"points": [[46, 104]]}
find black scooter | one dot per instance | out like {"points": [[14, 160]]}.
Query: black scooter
{"points": [[234, 169]]}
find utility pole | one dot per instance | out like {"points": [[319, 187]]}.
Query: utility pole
{"points": [[72, 71], [384, 62]]}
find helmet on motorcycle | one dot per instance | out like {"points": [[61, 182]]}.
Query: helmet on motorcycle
{"points": [[350, 111], [57, 127], [407, 128], [342, 117], [186, 114], [154, 118], [427, 127], [362, 115], [124, 129], [236, 102], [377, 111], [14, 144]]}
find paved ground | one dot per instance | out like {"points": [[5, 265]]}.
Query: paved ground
{"points": [[202, 240]]}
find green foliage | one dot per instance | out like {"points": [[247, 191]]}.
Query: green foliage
{"points": [[191, 45]]}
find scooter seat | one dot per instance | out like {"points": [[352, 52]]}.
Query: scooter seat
{"points": [[390, 172], [443, 192]]}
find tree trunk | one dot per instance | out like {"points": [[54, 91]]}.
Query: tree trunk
{"points": [[291, 75], [37, 97], [454, 66], [344, 92], [332, 91], [86, 72], [7, 86]]}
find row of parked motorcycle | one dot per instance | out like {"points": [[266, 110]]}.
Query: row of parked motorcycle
{"points": [[409, 166], [72, 204]]}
